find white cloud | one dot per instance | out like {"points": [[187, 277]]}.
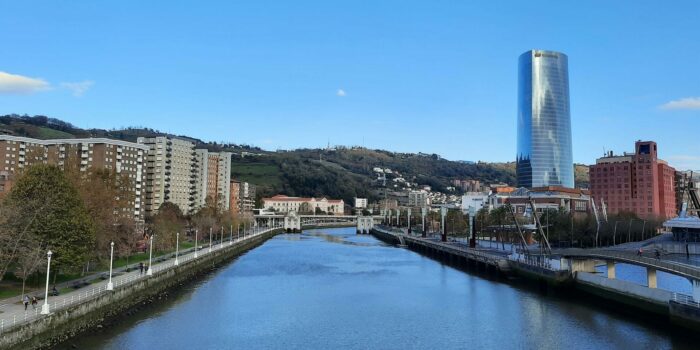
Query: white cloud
{"points": [[78, 88], [341, 93], [17, 84], [684, 103], [684, 162]]}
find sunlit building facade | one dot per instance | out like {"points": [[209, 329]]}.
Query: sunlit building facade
{"points": [[544, 155]]}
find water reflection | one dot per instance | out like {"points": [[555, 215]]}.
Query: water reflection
{"points": [[332, 289]]}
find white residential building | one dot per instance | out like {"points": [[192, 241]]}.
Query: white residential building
{"points": [[360, 203], [171, 173]]}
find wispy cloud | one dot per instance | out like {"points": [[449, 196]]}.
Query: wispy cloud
{"points": [[684, 162], [78, 88], [341, 93], [683, 103], [18, 84]]}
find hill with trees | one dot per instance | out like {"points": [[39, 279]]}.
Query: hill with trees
{"points": [[338, 172]]}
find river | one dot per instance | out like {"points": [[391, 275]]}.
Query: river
{"points": [[333, 289]]}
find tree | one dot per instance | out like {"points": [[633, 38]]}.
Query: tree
{"points": [[165, 224], [51, 209], [109, 201], [15, 235], [305, 209]]}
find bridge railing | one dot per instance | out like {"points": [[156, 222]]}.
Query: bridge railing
{"points": [[660, 264]]}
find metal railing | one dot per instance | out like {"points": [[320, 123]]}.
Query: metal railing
{"points": [[685, 300], [675, 268], [58, 303]]}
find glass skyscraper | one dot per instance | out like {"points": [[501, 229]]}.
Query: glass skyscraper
{"points": [[544, 121]]}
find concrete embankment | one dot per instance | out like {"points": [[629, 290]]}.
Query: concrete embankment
{"points": [[633, 298], [106, 308]]}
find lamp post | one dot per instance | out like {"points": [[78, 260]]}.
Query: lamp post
{"points": [[423, 212], [196, 242], [615, 234], [210, 241], [629, 231], [110, 285], [222, 237], [45, 307], [643, 227], [408, 212], [149, 272], [230, 242], [443, 213], [238, 231], [177, 248]]}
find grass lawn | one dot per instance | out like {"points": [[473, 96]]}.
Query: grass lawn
{"points": [[262, 174], [11, 286]]}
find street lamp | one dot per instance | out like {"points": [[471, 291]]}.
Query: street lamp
{"points": [[177, 248], [196, 242], [238, 231], [45, 307], [210, 241], [222, 237], [629, 231], [230, 242], [110, 285], [149, 272]]}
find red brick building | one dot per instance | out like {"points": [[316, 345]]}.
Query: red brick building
{"points": [[636, 182]]}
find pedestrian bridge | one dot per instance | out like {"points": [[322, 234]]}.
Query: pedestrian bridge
{"points": [[293, 222], [584, 260]]}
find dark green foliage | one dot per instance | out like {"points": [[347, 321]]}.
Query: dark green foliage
{"points": [[64, 225]]}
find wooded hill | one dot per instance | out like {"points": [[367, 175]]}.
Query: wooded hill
{"points": [[339, 172]]}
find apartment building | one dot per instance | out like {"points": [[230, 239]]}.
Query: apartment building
{"points": [[636, 182], [171, 173], [235, 199], [16, 153], [124, 158], [418, 199], [247, 197], [213, 178]]}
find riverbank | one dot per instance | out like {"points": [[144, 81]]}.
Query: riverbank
{"points": [[335, 289], [75, 313], [674, 310]]}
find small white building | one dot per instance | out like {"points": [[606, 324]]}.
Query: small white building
{"points": [[360, 203], [476, 200]]}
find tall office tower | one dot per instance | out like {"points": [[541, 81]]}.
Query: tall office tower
{"points": [[170, 173], [213, 178], [544, 121]]}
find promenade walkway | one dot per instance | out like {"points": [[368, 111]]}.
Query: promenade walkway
{"points": [[13, 314]]}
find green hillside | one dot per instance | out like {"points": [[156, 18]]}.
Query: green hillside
{"points": [[339, 172]]}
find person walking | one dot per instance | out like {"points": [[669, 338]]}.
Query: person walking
{"points": [[26, 302], [35, 301], [657, 254], [140, 268]]}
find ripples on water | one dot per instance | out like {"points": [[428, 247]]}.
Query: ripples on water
{"points": [[332, 289]]}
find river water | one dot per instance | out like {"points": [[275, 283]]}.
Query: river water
{"points": [[333, 289]]}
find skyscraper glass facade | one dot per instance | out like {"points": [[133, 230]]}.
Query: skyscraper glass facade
{"points": [[544, 121]]}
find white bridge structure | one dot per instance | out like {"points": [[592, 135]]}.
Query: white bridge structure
{"points": [[293, 222]]}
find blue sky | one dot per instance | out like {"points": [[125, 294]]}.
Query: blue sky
{"points": [[429, 76]]}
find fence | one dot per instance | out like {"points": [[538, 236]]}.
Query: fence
{"points": [[71, 299]]}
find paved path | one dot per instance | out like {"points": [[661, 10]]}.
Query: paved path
{"points": [[14, 313]]}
